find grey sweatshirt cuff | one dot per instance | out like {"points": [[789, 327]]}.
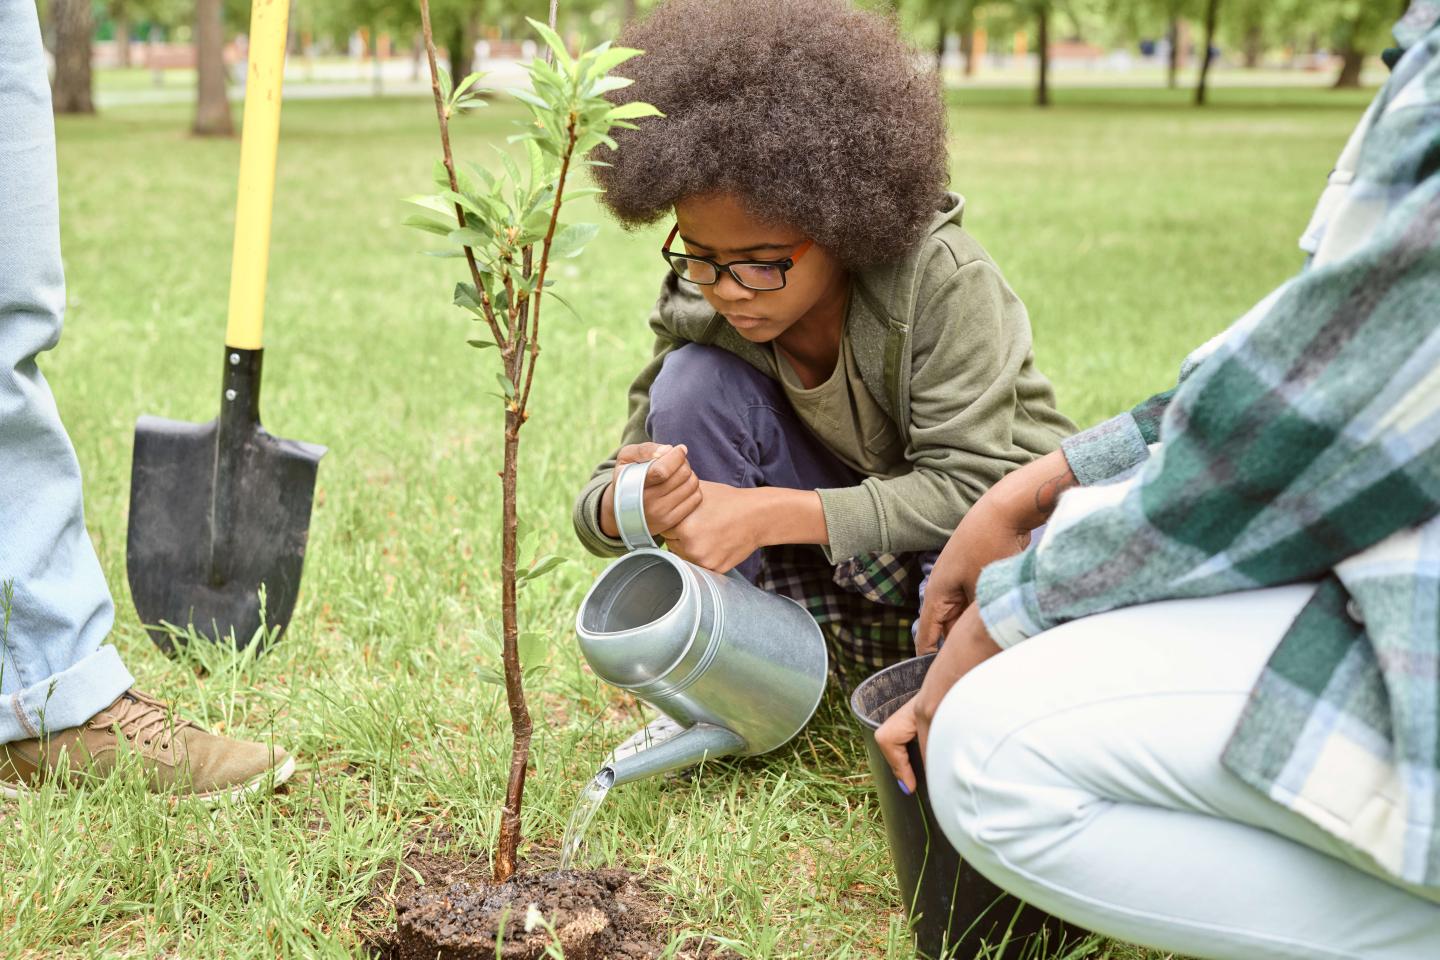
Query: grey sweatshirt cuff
{"points": [[855, 521], [1106, 450], [587, 520]]}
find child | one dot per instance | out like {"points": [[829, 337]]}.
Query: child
{"points": [[837, 363]]}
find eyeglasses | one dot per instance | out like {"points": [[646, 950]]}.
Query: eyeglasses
{"points": [[750, 274]]}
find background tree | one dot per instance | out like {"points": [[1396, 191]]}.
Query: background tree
{"points": [[1360, 29], [212, 105], [1212, 13], [73, 26]]}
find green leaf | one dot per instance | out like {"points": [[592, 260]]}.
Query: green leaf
{"points": [[488, 674], [610, 58], [468, 297], [537, 162], [544, 565], [440, 175], [531, 648], [480, 344], [578, 193], [434, 202], [469, 81], [446, 84], [633, 110], [506, 386], [570, 240], [605, 84], [563, 302], [444, 254], [468, 237], [525, 96], [429, 224], [553, 41]]}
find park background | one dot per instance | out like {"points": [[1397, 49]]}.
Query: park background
{"points": [[1133, 223]]}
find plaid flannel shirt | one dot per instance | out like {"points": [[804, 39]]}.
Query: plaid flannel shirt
{"points": [[1303, 444]]}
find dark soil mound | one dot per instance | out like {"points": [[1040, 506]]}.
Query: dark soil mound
{"points": [[594, 915]]}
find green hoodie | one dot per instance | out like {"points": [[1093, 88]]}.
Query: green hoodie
{"points": [[943, 345]]}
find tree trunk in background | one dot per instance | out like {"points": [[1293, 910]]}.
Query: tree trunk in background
{"points": [[1254, 46], [1212, 14], [1351, 63], [73, 27], [212, 107], [1042, 39], [940, 25], [966, 26], [630, 10], [122, 36], [1172, 76], [460, 47]]}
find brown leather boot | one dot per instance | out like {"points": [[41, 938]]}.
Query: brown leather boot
{"points": [[175, 754]]}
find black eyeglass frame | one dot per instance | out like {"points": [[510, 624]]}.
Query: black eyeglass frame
{"points": [[784, 265]]}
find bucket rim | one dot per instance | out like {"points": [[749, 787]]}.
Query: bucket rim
{"points": [[856, 709]]}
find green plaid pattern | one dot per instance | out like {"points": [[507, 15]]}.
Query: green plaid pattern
{"points": [[1301, 445], [865, 606]]}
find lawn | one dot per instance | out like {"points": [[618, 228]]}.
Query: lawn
{"points": [[1133, 226]]}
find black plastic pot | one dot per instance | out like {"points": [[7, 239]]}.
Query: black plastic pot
{"points": [[954, 910]]}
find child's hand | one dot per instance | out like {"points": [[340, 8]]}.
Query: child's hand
{"points": [[986, 534], [720, 532], [672, 491]]}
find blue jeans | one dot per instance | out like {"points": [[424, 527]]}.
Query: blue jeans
{"points": [[54, 671], [741, 430]]}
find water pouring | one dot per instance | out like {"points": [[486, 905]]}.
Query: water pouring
{"points": [[739, 669]]}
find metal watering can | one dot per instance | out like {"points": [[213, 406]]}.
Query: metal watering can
{"points": [[740, 669]]}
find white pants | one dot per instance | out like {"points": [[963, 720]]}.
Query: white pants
{"points": [[1081, 771]]}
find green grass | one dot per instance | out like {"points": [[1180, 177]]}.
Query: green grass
{"points": [[1133, 227]]}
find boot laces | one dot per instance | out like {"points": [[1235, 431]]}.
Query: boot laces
{"points": [[141, 718]]}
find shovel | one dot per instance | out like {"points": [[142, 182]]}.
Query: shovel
{"points": [[220, 511]]}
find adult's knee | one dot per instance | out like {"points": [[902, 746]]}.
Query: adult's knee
{"points": [[990, 782]]}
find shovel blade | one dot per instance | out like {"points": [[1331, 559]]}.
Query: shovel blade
{"points": [[191, 564]]}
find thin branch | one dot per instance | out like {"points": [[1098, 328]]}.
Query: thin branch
{"points": [[570, 139], [500, 339]]}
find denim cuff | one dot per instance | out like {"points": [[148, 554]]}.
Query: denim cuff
{"points": [[66, 699], [1106, 450]]}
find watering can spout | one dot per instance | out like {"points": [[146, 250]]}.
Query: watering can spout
{"points": [[701, 742]]}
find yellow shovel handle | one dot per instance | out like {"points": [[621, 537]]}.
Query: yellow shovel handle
{"points": [[265, 72]]}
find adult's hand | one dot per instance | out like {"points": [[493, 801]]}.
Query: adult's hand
{"points": [[672, 491], [999, 525], [967, 645]]}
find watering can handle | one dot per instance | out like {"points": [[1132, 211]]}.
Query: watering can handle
{"points": [[630, 506], [630, 510]]}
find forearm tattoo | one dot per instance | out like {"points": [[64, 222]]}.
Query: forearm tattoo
{"points": [[1047, 495]]}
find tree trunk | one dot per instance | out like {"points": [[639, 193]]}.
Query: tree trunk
{"points": [[212, 107], [1212, 14], [940, 25], [508, 842], [630, 10], [967, 49], [122, 37], [1254, 46], [1351, 64], [460, 47], [377, 67], [1172, 75], [1042, 40], [73, 27]]}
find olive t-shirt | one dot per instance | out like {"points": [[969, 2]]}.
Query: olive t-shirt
{"points": [[845, 417]]}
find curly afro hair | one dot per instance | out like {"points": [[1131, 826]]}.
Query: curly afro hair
{"points": [[814, 113]]}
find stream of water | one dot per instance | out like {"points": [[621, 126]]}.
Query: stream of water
{"points": [[584, 812]]}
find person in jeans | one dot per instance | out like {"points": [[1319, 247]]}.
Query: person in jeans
{"points": [[66, 700], [839, 368], [1202, 712]]}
